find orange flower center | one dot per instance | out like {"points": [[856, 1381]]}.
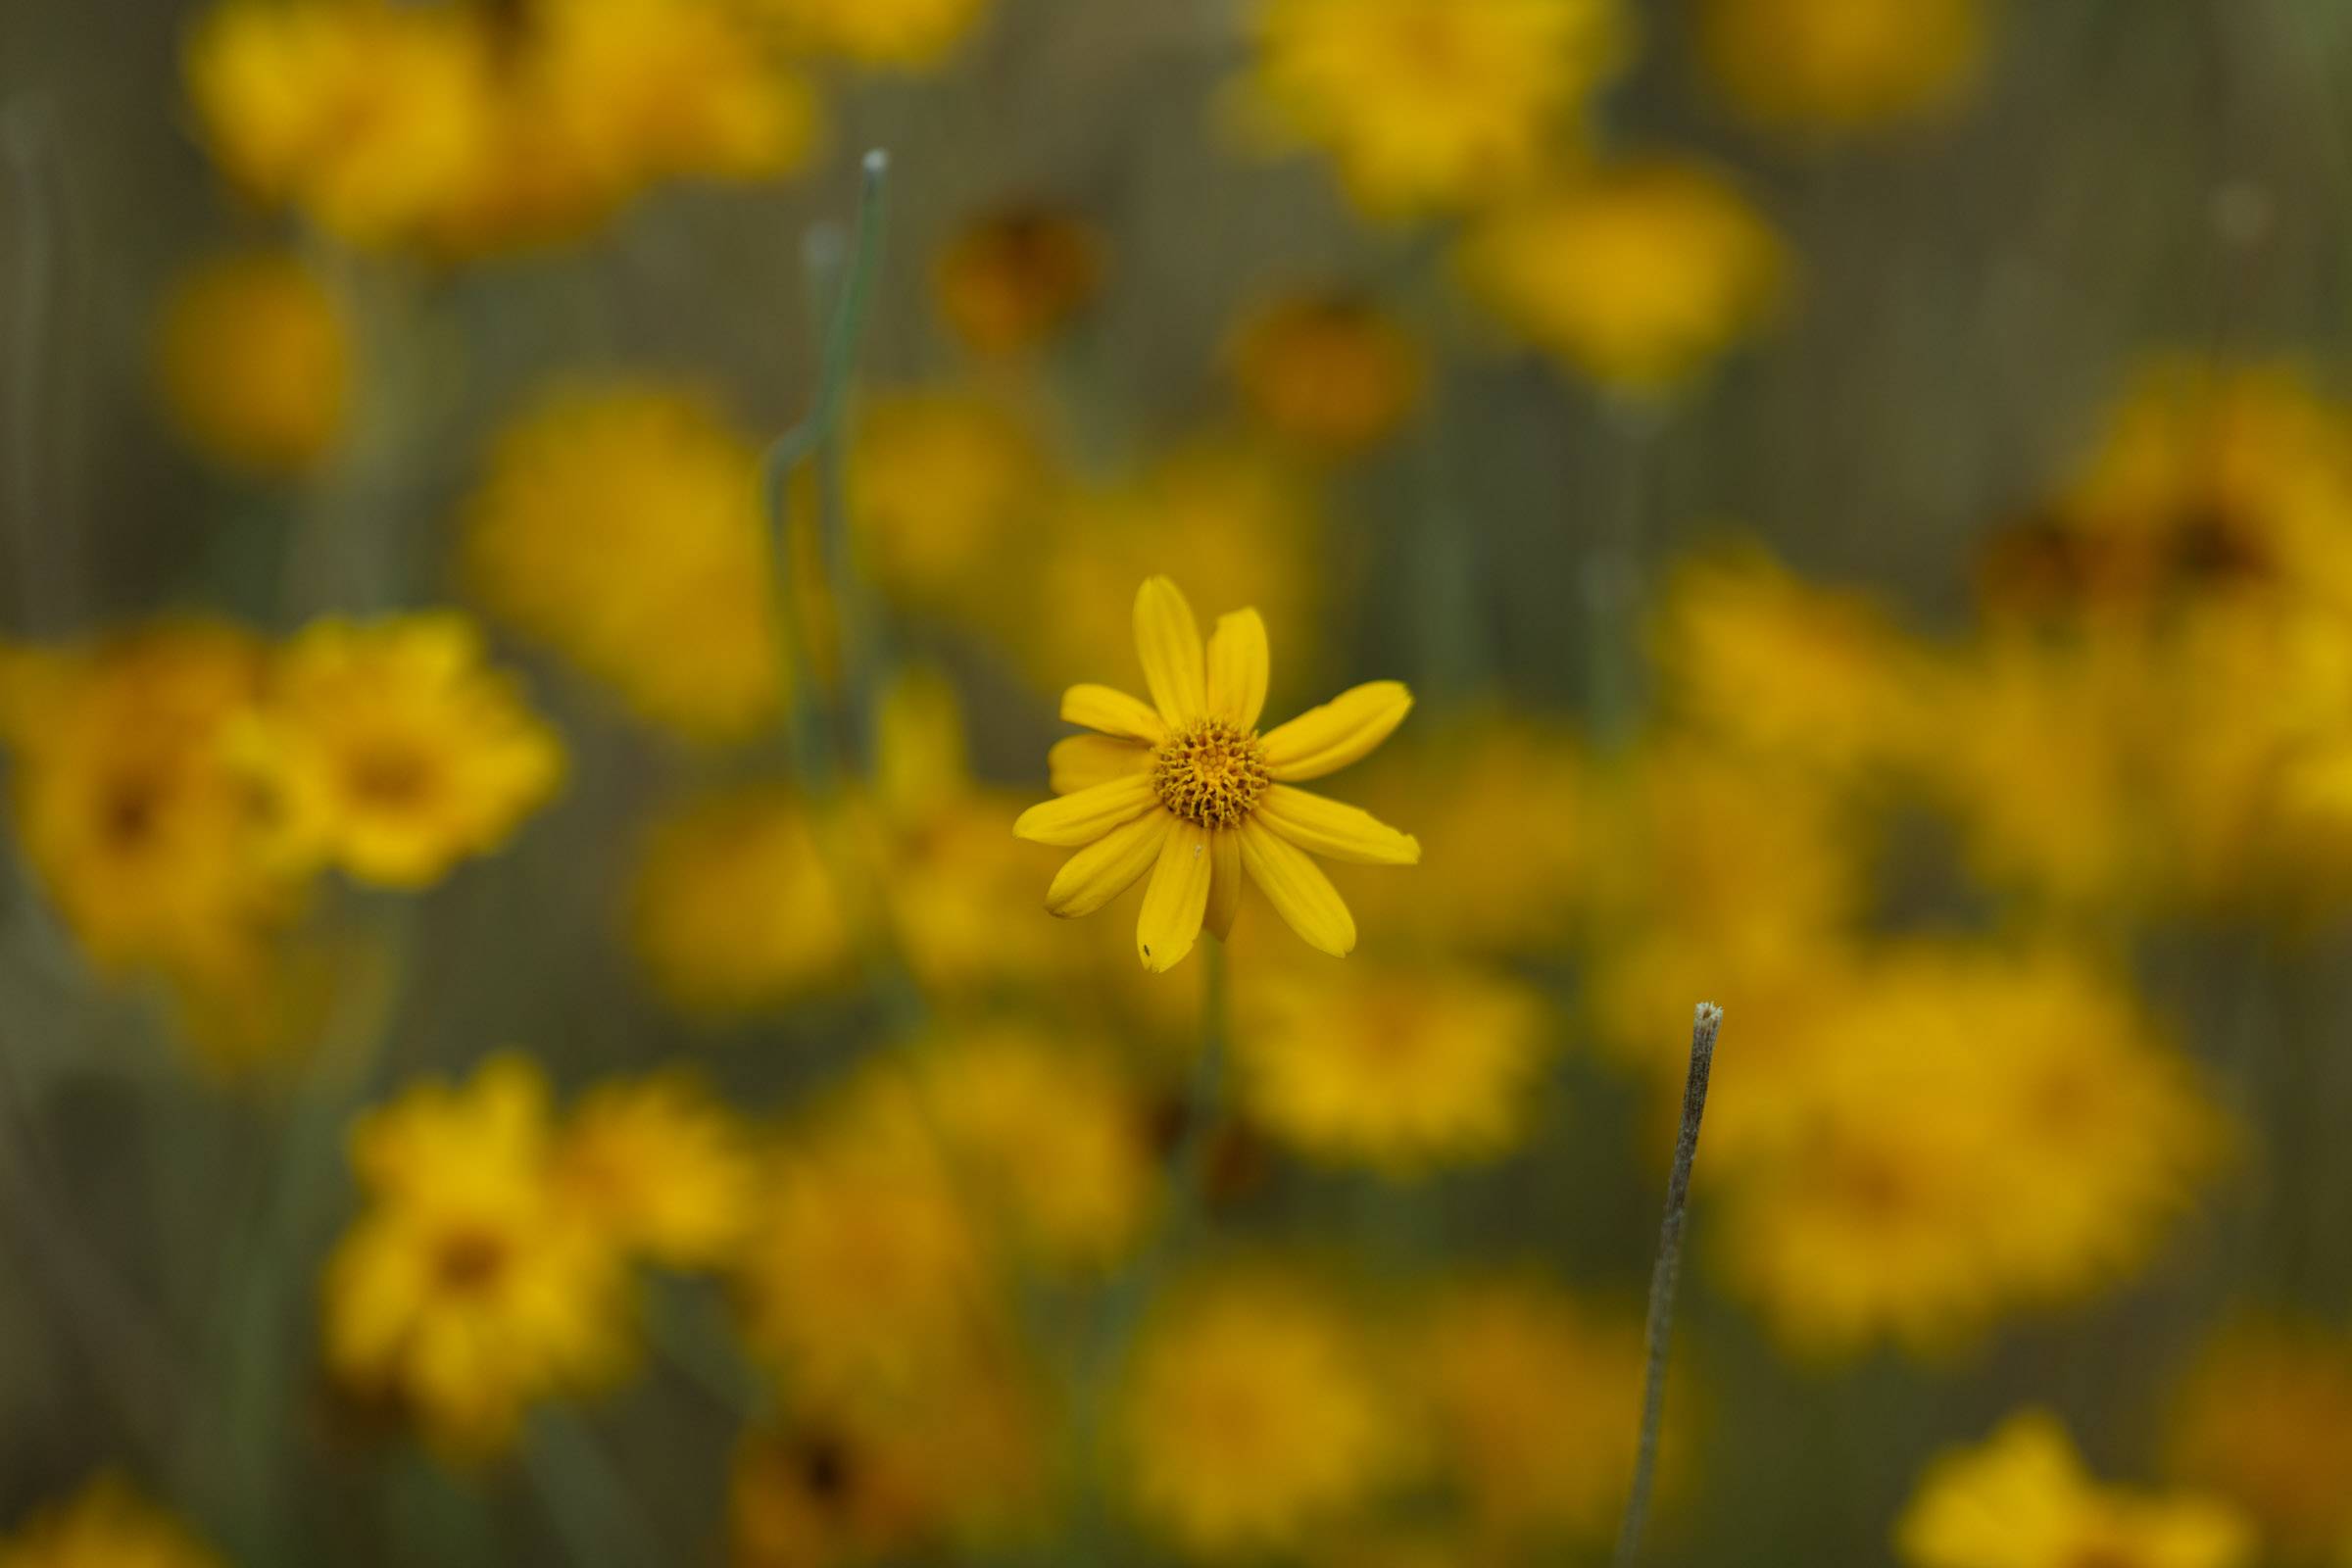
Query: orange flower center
{"points": [[1210, 773]]}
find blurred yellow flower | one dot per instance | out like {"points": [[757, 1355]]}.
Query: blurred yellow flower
{"points": [[942, 485], [733, 907], [2264, 1421], [1637, 274], [1508, 801], [660, 1169], [1328, 372], [1187, 789], [455, 128], [373, 117], [1049, 1133], [916, 35], [1257, 1417], [391, 751], [1427, 104], [2022, 1500], [104, 1525], [147, 839], [253, 358], [1807, 675], [865, 1273], [1842, 66], [1235, 512], [469, 1286], [1399, 1069], [1010, 280], [1531, 1397], [1963, 1135], [621, 525]]}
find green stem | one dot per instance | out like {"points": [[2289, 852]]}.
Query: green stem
{"points": [[1662, 1281]]}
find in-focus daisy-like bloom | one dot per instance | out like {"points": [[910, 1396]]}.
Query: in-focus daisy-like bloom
{"points": [[392, 752], [2030, 1142], [2023, 1500], [1008, 280], [621, 525], [912, 35], [1328, 372], [105, 1525], [1257, 1417], [1403, 1070], [1185, 788], [1529, 1396], [1836, 67], [1426, 104], [470, 1287], [662, 1167], [1637, 274], [253, 358], [2265, 1420]]}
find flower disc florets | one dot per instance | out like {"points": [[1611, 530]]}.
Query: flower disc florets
{"points": [[1210, 773]]}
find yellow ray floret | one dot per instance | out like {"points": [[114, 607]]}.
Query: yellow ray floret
{"points": [[1186, 788]]}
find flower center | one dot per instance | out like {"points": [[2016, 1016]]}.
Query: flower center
{"points": [[1210, 773]]}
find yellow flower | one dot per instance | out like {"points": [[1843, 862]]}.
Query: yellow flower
{"points": [[1842, 66], [393, 754], [660, 1169], [254, 361], [1401, 1070], [914, 35], [1186, 788], [469, 1286], [1050, 1132], [734, 908], [1509, 805], [1798, 673], [1329, 371], [865, 1274], [1532, 1398], [2265, 1420], [1257, 1417], [1238, 514], [622, 526], [373, 117], [2026, 1143], [1008, 280], [1638, 274], [2022, 1500], [145, 836], [1427, 104], [942, 483], [105, 1525]]}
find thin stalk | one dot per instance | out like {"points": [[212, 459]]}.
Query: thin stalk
{"points": [[1704, 1025]]}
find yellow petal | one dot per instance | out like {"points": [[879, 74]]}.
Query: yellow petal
{"points": [[1169, 643], [1237, 669], [1323, 740], [1298, 889], [1224, 882], [1109, 866], [1081, 762], [1176, 899], [1113, 712], [1327, 827], [1087, 815]]}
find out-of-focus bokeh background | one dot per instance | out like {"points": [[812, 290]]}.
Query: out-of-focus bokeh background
{"points": [[528, 1036]]}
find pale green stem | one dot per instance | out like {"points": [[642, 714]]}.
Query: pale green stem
{"points": [[1704, 1025]]}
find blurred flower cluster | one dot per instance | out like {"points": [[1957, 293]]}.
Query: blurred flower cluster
{"points": [[599, 842]]}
